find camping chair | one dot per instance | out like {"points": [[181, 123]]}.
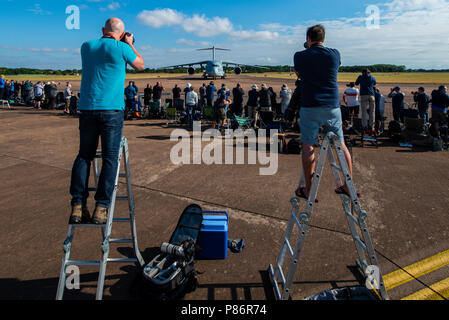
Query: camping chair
{"points": [[5, 103], [268, 122], [242, 123], [154, 109]]}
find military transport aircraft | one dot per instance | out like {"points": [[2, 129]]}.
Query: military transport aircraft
{"points": [[213, 68]]}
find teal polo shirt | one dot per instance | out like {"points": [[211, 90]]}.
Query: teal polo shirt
{"points": [[103, 78]]}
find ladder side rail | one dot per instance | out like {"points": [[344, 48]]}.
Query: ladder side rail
{"points": [[281, 257], [131, 203], [67, 246], [107, 231]]}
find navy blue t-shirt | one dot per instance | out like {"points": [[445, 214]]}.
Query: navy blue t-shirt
{"points": [[318, 69], [367, 83]]}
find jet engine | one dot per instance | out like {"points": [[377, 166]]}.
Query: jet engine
{"points": [[238, 70], [191, 71]]}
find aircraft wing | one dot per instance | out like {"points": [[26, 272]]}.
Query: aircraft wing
{"points": [[227, 64], [201, 63]]}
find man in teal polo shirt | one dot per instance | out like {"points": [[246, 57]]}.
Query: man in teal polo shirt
{"points": [[101, 105]]}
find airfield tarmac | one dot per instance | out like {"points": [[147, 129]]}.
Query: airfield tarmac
{"points": [[403, 190]]}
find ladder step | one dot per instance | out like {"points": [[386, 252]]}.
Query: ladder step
{"points": [[353, 218], [81, 263], [361, 243], [301, 229], [122, 198], [281, 274], [121, 220], [287, 243], [118, 260], [336, 167], [122, 175], [88, 225], [120, 240]]}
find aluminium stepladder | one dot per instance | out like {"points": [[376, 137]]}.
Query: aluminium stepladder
{"points": [[106, 228], [362, 243]]}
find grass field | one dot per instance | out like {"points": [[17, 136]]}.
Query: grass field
{"points": [[387, 78]]}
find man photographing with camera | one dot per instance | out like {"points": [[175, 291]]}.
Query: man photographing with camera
{"points": [[317, 67], [102, 107]]}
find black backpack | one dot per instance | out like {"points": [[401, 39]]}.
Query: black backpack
{"points": [[294, 146]]}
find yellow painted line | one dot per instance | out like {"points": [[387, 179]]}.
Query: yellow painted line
{"points": [[416, 270], [441, 287]]}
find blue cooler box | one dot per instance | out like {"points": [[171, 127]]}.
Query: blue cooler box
{"points": [[213, 237]]}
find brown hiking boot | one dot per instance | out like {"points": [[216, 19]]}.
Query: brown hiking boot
{"points": [[80, 214], [100, 215]]}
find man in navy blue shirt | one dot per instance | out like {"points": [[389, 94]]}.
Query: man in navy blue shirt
{"points": [[397, 101], [367, 98], [317, 67]]}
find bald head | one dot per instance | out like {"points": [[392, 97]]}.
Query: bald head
{"points": [[114, 25]]}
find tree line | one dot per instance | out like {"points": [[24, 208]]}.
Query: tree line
{"points": [[246, 69]]}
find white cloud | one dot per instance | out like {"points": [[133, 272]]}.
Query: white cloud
{"points": [[200, 25], [160, 18], [113, 6]]}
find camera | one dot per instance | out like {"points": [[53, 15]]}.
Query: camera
{"points": [[127, 34]]}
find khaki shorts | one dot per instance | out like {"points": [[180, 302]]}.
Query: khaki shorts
{"points": [[219, 115]]}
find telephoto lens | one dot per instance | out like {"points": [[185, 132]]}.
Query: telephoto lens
{"points": [[172, 249]]}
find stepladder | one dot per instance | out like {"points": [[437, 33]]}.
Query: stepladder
{"points": [[282, 273], [106, 229]]}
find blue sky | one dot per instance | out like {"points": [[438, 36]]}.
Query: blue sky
{"points": [[414, 33]]}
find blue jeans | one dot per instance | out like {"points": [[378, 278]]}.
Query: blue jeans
{"points": [[94, 124]]}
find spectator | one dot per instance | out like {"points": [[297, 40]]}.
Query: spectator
{"points": [[137, 107], [135, 87], [210, 92], [73, 105], [253, 104], [351, 99], [380, 108], [46, 94], [186, 90], [422, 99], [367, 83], [265, 98], [157, 94], [130, 95], [191, 105], [17, 91], [11, 90], [176, 92], [2, 86], [27, 92], [52, 93], [67, 97], [147, 95], [38, 93], [286, 96], [104, 64], [237, 94], [220, 108], [318, 67], [275, 106], [440, 102], [397, 100], [203, 97]]}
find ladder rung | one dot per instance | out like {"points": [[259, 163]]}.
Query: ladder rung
{"points": [[92, 189], [122, 198], [301, 229], [121, 220], [81, 263], [118, 260], [361, 243], [289, 247], [281, 274], [336, 167], [120, 240], [353, 218], [273, 281], [122, 175], [88, 225]]}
